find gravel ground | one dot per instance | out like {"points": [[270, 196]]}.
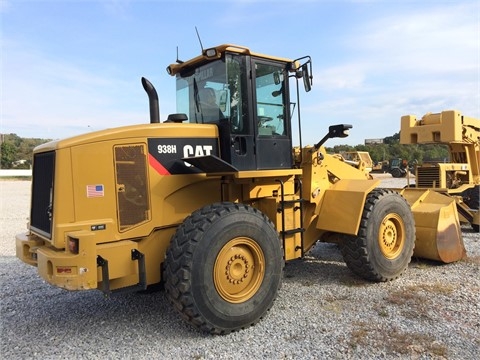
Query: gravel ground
{"points": [[323, 311]]}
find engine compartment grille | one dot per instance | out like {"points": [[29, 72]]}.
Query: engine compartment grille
{"points": [[132, 191], [428, 177], [41, 210]]}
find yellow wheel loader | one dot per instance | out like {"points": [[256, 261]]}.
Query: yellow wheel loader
{"points": [[460, 177], [212, 201], [358, 159]]}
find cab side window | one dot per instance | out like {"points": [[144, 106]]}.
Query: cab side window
{"points": [[270, 99]]}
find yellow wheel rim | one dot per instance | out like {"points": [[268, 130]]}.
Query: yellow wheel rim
{"points": [[391, 236], [239, 270]]}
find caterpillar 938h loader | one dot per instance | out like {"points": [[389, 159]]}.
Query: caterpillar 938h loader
{"points": [[214, 200], [460, 177]]}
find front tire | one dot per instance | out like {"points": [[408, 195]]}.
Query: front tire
{"points": [[384, 245], [224, 267]]}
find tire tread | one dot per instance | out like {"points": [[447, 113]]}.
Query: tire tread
{"points": [[179, 262]]}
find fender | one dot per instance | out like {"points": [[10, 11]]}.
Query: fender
{"points": [[342, 205]]}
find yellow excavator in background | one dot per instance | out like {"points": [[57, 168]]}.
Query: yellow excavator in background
{"points": [[214, 200]]}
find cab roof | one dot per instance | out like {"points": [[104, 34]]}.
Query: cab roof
{"points": [[216, 52]]}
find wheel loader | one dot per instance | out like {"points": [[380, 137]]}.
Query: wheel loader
{"points": [[214, 200], [358, 159], [460, 177]]}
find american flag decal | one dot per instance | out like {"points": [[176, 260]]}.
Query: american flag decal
{"points": [[95, 191]]}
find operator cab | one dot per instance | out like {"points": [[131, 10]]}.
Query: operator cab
{"points": [[247, 96]]}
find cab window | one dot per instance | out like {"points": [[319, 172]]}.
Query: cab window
{"points": [[215, 92], [270, 99]]}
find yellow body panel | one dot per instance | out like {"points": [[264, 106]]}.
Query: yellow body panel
{"points": [[442, 127], [120, 255], [342, 206], [132, 133], [72, 272], [94, 221], [26, 246]]}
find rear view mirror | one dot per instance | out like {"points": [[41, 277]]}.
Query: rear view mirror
{"points": [[276, 78], [223, 100], [339, 131], [306, 78]]}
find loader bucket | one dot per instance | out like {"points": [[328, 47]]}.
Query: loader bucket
{"points": [[438, 233]]}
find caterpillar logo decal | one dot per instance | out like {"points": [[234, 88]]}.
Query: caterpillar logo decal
{"points": [[165, 154]]}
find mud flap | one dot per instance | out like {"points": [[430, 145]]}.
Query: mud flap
{"points": [[438, 232]]}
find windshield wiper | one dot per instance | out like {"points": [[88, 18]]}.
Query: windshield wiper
{"points": [[196, 97]]}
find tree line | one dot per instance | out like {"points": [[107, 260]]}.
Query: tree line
{"points": [[17, 152], [391, 149]]}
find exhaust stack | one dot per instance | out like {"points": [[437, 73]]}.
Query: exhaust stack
{"points": [[153, 101]]}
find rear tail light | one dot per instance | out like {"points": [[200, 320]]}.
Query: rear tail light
{"points": [[73, 245]]}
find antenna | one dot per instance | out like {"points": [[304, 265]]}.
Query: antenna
{"points": [[198, 35], [178, 60]]}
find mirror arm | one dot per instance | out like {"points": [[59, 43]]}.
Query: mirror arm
{"points": [[334, 131]]}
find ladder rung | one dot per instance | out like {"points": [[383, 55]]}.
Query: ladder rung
{"points": [[293, 231], [293, 201]]}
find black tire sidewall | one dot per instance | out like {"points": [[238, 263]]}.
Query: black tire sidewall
{"points": [[207, 300], [396, 173], [472, 197]]}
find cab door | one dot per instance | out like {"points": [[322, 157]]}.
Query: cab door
{"points": [[237, 137], [273, 145]]}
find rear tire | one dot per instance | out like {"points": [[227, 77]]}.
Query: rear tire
{"points": [[397, 173], [386, 238], [224, 267], [471, 197]]}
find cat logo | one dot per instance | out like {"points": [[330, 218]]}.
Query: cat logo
{"points": [[167, 155], [198, 150]]}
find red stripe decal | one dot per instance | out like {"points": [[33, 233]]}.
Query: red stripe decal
{"points": [[157, 166]]}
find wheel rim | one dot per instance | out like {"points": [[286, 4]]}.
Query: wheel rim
{"points": [[239, 270], [391, 237]]}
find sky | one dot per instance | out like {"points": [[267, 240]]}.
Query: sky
{"points": [[73, 66]]}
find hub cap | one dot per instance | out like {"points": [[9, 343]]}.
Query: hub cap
{"points": [[239, 270], [391, 236]]}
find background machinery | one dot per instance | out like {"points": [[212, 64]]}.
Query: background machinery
{"points": [[214, 200], [358, 159], [460, 177], [399, 168]]}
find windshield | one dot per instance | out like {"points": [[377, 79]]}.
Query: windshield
{"points": [[215, 92]]}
